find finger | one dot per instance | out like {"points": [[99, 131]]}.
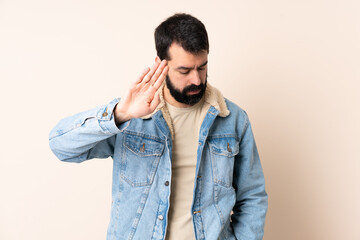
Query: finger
{"points": [[142, 75], [151, 72], [158, 71], [161, 78]]}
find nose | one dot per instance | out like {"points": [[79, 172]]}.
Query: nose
{"points": [[195, 78]]}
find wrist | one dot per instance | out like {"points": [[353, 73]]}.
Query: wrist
{"points": [[120, 114]]}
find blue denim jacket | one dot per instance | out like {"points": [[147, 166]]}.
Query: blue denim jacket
{"points": [[229, 198]]}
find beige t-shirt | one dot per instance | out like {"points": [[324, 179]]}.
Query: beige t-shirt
{"points": [[186, 123]]}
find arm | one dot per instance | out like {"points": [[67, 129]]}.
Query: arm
{"points": [[251, 204], [91, 134], [86, 135]]}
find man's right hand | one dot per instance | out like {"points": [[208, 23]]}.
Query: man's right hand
{"points": [[142, 98]]}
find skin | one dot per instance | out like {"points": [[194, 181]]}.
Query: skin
{"points": [[183, 69]]}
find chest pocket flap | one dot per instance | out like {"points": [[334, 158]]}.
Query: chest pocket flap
{"points": [[225, 146], [143, 146]]}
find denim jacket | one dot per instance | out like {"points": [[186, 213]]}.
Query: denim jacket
{"points": [[229, 198]]}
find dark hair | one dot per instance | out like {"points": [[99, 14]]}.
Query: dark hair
{"points": [[183, 29]]}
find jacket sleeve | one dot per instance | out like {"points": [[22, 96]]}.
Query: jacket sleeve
{"points": [[86, 135], [250, 209]]}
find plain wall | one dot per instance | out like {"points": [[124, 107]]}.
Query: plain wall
{"points": [[292, 65]]}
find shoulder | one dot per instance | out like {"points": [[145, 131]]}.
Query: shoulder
{"points": [[235, 110]]}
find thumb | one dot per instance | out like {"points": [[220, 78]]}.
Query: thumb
{"points": [[155, 101]]}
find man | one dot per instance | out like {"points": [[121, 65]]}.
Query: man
{"points": [[185, 161]]}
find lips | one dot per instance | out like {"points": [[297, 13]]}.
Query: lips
{"points": [[193, 92]]}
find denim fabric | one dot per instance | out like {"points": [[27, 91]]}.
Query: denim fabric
{"points": [[229, 198]]}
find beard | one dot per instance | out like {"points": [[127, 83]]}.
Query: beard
{"points": [[183, 96]]}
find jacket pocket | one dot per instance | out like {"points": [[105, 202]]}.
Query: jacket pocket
{"points": [[140, 159], [223, 151]]}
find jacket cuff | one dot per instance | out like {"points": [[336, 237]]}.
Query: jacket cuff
{"points": [[106, 118]]}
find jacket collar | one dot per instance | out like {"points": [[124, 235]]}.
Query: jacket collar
{"points": [[212, 96]]}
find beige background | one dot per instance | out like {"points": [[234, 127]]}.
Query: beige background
{"points": [[292, 65]]}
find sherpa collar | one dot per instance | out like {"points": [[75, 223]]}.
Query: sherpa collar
{"points": [[212, 96]]}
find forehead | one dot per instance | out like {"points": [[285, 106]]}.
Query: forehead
{"points": [[178, 56]]}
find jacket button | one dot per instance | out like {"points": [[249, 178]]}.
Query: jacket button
{"points": [[167, 183], [104, 114], [161, 217], [229, 148]]}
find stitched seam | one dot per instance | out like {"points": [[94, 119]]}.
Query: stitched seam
{"points": [[139, 212]]}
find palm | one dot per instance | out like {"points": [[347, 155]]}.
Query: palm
{"points": [[142, 97], [140, 100]]}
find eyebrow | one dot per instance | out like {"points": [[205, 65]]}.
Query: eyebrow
{"points": [[189, 68]]}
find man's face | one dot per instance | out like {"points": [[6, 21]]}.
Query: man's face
{"points": [[187, 77]]}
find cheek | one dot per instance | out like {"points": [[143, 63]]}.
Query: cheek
{"points": [[203, 76], [179, 82]]}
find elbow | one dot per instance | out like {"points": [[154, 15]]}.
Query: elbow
{"points": [[61, 154]]}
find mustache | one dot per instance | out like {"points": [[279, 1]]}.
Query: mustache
{"points": [[193, 87]]}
